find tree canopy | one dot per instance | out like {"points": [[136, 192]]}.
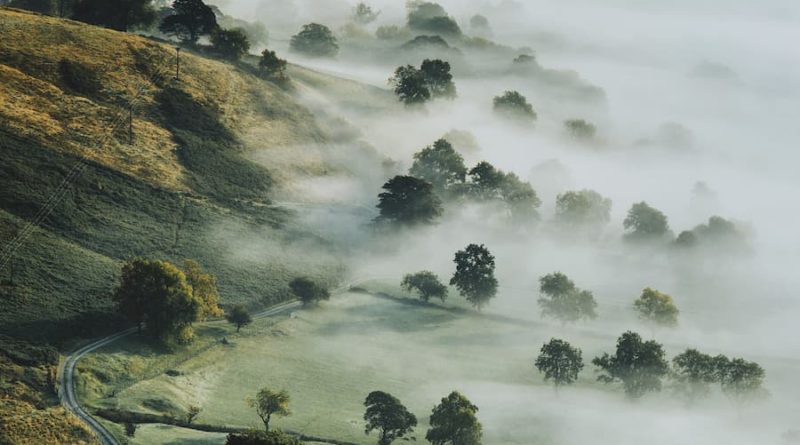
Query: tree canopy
{"points": [[639, 365], [308, 291], [268, 403], [564, 301], [363, 14], [270, 66], [230, 44], [580, 129], [431, 17], [239, 316], [388, 416], [441, 165], [514, 105], [560, 362], [740, 380], [474, 276], [657, 307], [645, 223], [191, 20], [583, 209], [693, 372], [425, 283], [454, 422], [409, 85], [204, 287], [408, 201], [437, 77], [121, 15], [315, 40]]}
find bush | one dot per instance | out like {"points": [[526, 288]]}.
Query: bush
{"points": [[230, 44]]}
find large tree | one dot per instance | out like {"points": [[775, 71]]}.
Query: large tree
{"points": [[486, 181], [656, 307], [645, 223], [739, 379], [231, 44], [425, 283], [583, 209], [191, 20], [409, 85], [474, 275], [454, 422], [693, 373], [408, 201], [438, 79], [639, 365], [268, 403], [308, 291], [121, 15], [315, 40], [564, 301], [441, 165], [388, 416], [560, 362]]}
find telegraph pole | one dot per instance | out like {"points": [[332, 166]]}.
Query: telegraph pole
{"points": [[178, 63]]}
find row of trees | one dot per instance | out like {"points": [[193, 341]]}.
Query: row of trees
{"points": [[641, 367]]}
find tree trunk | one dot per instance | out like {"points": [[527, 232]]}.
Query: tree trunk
{"points": [[266, 422]]}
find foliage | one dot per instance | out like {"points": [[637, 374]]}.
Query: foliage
{"points": [[363, 14], [514, 105], [431, 17], [387, 415], [191, 20], [192, 413], [428, 43], [130, 429], [315, 40], [268, 403], [230, 44], [454, 422], [308, 291], [717, 233], [488, 183], [693, 372], [639, 365], [239, 316], [121, 15], [474, 275], [580, 129], [275, 437], [739, 379], [427, 284], [565, 302], [559, 362], [440, 165], [392, 32], [409, 85], [479, 22], [644, 222], [49, 7], [408, 201], [657, 307], [270, 66], [204, 287], [584, 208], [438, 79]]}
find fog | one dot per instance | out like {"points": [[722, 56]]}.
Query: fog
{"points": [[681, 92]]}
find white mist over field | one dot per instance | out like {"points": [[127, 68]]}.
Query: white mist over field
{"points": [[693, 91]]}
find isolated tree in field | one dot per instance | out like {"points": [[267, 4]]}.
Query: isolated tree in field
{"points": [[656, 307], [474, 276], [308, 291], [204, 287], [276, 437], [363, 14], [426, 284], [315, 40], [409, 85], [559, 362], [270, 66], [514, 105], [239, 316], [438, 79], [645, 223], [230, 44], [564, 301], [121, 15], [580, 129], [270, 403], [454, 422], [191, 20], [192, 413], [408, 201], [583, 209], [388, 416], [441, 165], [693, 373], [741, 381], [639, 365]]}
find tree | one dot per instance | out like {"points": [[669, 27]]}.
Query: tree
{"points": [[261, 438], [645, 223], [564, 301], [583, 209], [192, 413], [580, 129], [639, 365], [440, 165], [438, 79], [387, 415], [486, 181], [315, 40], [308, 291], [230, 44], [657, 307], [410, 86], [363, 14], [191, 20], [693, 372], [514, 105], [520, 197], [49, 7], [454, 422], [121, 15], [431, 17], [740, 380], [204, 287], [474, 276], [271, 66], [427, 284], [239, 316], [268, 403], [559, 362], [408, 201]]}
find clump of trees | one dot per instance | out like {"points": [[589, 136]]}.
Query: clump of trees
{"points": [[560, 362], [261, 438], [239, 316], [639, 365], [514, 105], [564, 301], [657, 307], [487, 183], [580, 129], [190, 20], [268, 403], [454, 421], [584, 209], [408, 201], [230, 44], [441, 165], [315, 40], [308, 291], [426, 284], [121, 15], [645, 223], [694, 372], [388, 416], [718, 233], [272, 67], [416, 86], [431, 17], [474, 276]]}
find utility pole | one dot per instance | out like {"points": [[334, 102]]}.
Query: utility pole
{"points": [[178, 63]]}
